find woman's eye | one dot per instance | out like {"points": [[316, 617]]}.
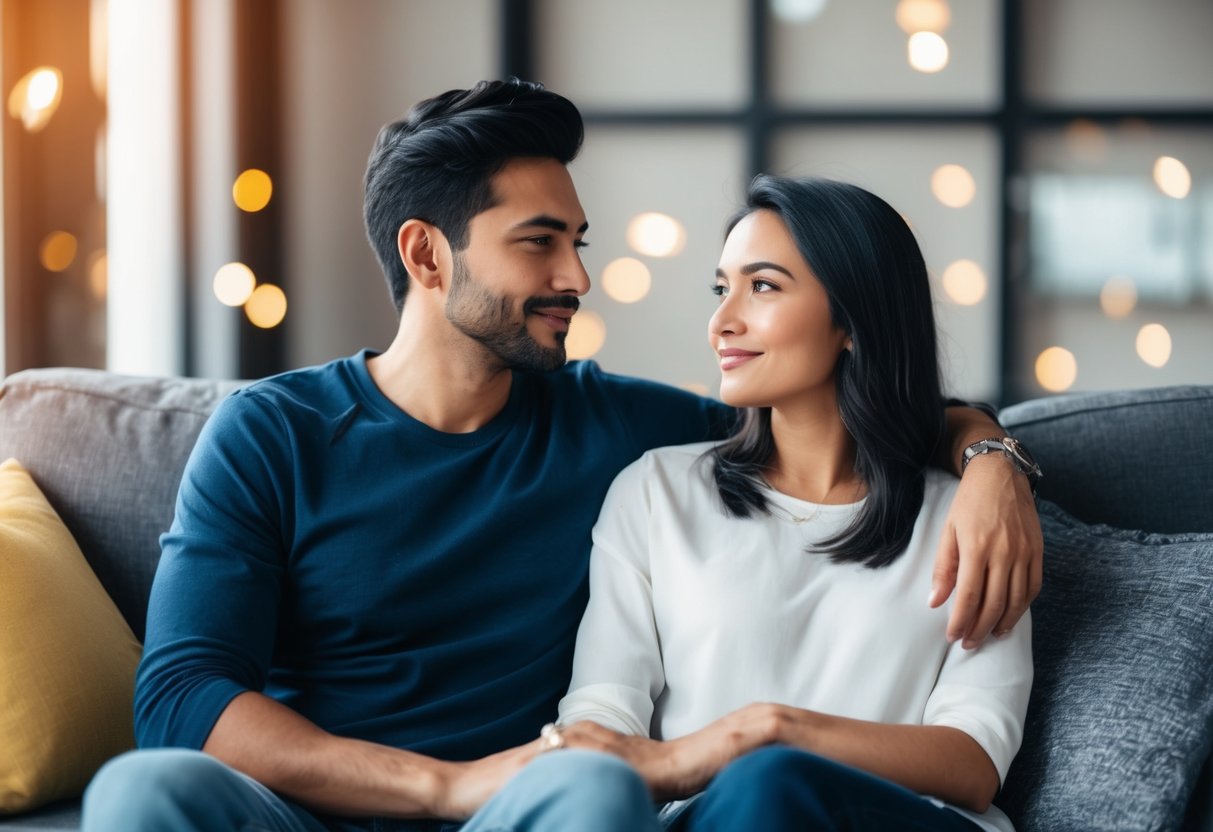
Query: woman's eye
{"points": [[764, 286], [719, 289], [541, 240]]}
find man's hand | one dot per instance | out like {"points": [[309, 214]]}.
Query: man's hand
{"points": [[991, 552], [680, 768], [465, 787]]}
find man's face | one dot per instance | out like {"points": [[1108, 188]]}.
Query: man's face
{"points": [[515, 287]]}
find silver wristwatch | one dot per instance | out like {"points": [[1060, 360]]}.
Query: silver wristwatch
{"points": [[1014, 450]]}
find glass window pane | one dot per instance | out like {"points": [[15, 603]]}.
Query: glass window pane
{"points": [[693, 176], [906, 167], [636, 54], [1120, 240], [855, 55], [1093, 52]]}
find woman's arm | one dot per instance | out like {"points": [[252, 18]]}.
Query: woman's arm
{"points": [[992, 550]]}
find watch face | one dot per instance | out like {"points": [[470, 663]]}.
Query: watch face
{"points": [[1020, 455]]}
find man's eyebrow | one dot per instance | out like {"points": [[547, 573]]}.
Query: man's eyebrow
{"points": [[545, 221], [749, 269]]}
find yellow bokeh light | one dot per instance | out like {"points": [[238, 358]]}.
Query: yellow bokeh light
{"points": [[1118, 297], [36, 96], [927, 52], [266, 307], [1172, 177], [626, 280], [234, 284], [1056, 369], [1086, 140], [1154, 345], [587, 334], [923, 16], [656, 235], [953, 185], [98, 274], [965, 282], [58, 251], [252, 190]]}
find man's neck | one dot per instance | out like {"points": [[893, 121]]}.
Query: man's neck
{"points": [[440, 377]]}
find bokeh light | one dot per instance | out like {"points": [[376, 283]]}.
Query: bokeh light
{"points": [[928, 52], [965, 283], [1172, 177], [266, 307], [1154, 345], [923, 16], [656, 235], [953, 185], [1118, 297], [98, 274], [626, 280], [58, 251], [252, 190], [36, 96], [587, 334], [234, 284], [1056, 369]]}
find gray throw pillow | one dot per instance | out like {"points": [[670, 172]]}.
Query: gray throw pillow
{"points": [[1121, 714]]}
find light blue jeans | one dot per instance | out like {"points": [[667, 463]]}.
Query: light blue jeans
{"points": [[173, 790]]}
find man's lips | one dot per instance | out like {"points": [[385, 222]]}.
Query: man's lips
{"points": [[732, 357], [557, 317]]}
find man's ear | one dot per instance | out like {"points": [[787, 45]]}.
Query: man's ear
{"points": [[423, 251]]}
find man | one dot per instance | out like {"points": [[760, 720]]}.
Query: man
{"points": [[367, 602]]}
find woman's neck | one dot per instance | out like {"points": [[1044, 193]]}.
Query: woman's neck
{"points": [[814, 457]]}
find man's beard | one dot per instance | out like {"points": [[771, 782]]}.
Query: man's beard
{"points": [[489, 319]]}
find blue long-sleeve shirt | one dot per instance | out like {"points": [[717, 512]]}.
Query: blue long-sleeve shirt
{"points": [[388, 581]]}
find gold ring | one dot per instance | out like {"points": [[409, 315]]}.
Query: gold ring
{"points": [[550, 738]]}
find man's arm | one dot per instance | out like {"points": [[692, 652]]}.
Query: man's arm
{"points": [[284, 751], [991, 551]]}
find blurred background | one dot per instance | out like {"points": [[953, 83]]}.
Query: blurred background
{"points": [[182, 179]]}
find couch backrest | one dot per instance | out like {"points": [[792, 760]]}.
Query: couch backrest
{"points": [[108, 451], [1134, 459]]}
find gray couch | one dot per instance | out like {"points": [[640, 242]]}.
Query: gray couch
{"points": [[108, 452]]}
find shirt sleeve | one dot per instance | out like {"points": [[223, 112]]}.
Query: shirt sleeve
{"points": [[214, 602], [617, 668], [984, 692]]}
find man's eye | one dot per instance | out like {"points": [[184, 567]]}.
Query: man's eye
{"points": [[580, 244], [542, 240]]}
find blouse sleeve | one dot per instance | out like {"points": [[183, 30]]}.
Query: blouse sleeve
{"points": [[984, 692], [617, 669]]}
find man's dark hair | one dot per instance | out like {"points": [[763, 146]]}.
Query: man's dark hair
{"points": [[436, 164], [888, 384]]}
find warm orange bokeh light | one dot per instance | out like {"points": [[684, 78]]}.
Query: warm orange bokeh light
{"points": [[266, 307], [252, 190]]}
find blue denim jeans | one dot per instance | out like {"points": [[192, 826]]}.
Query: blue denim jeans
{"points": [[172, 790], [781, 788]]}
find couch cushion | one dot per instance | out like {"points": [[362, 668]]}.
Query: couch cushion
{"points": [[108, 451], [1136, 459], [1121, 715], [67, 657]]}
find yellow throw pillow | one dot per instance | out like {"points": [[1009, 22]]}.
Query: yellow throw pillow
{"points": [[67, 657]]}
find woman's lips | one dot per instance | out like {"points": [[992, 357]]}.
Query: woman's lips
{"points": [[732, 358]]}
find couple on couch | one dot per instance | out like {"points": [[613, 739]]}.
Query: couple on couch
{"points": [[375, 586]]}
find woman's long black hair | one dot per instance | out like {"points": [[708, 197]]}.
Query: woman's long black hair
{"points": [[888, 384]]}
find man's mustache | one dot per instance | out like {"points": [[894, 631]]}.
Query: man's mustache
{"points": [[555, 301]]}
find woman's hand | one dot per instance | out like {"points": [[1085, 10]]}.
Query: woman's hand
{"points": [[991, 552], [679, 768]]}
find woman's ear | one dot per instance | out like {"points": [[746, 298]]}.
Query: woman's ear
{"points": [[848, 344], [422, 247]]}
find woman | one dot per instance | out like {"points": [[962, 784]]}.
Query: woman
{"points": [[790, 565]]}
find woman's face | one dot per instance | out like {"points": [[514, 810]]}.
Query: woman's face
{"points": [[772, 332]]}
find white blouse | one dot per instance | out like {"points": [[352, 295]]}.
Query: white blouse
{"points": [[694, 614]]}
